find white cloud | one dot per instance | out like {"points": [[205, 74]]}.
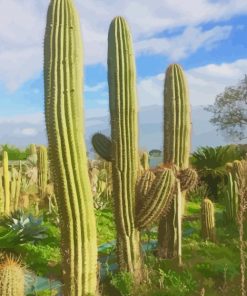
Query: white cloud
{"points": [[28, 132], [179, 47], [35, 118], [23, 24], [204, 83], [95, 88]]}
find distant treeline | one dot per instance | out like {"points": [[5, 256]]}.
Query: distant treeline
{"points": [[15, 153]]}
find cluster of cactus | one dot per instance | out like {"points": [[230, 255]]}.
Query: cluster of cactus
{"points": [[207, 220], [67, 149], [10, 186], [141, 199], [235, 187], [177, 142], [101, 185], [12, 277]]}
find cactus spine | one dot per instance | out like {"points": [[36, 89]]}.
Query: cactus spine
{"points": [[42, 165], [11, 278], [207, 220], [125, 157], [6, 183], [67, 150], [177, 133]]}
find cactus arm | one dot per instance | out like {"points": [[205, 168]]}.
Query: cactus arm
{"points": [[67, 150], [159, 199], [103, 146], [143, 186]]}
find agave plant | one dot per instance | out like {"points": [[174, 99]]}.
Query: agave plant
{"points": [[210, 164], [28, 228]]}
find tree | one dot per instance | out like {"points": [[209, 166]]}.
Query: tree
{"points": [[230, 110]]}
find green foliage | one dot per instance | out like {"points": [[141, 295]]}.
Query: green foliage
{"points": [[43, 259], [198, 193], [29, 228], [9, 238], [106, 228], [155, 153], [175, 283], [210, 163], [123, 282], [14, 152], [229, 110]]}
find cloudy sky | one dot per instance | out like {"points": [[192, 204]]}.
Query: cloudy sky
{"points": [[207, 37]]}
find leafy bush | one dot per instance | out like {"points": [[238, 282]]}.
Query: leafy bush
{"points": [[210, 163], [123, 282], [178, 283], [14, 153]]}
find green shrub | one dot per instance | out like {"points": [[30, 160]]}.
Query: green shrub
{"points": [[123, 282]]}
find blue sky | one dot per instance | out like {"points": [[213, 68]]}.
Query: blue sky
{"points": [[208, 38]]}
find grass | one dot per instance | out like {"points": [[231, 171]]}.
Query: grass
{"points": [[212, 266]]}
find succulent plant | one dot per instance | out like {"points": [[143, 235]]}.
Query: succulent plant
{"points": [[67, 149], [12, 277], [207, 220]]}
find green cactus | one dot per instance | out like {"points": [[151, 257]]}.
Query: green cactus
{"points": [[231, 199], [18, 187], [12, 278], [188, 178], [207, 220], [103, 146], [145, 161], [125, 158], [1, 195], [67, 150], [32, 149], [13, 184], [144, 183], [177, 134], [6, 182], [42, 165]]}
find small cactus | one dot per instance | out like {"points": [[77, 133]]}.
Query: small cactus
{"points": [[207, 220], [12, 277], [6, 183], [145, 161]]}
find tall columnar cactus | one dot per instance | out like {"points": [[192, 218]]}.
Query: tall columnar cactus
{"points": [[32, 149], [42, 165], [12, 278], [207, 220], [6, 182], [130, 217], [18, 187], [177, 142], [231, 199], [13, 184], [1, 195], [67, 150]]}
